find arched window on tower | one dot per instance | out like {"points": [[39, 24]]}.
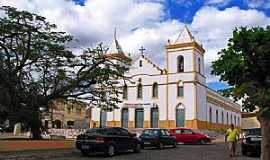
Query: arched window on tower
{"points": [[139, 91], [180, 64], [180, 89], [125, 92], [155, 90]]}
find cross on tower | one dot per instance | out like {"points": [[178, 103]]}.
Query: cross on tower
{"points": [[142, 49]]}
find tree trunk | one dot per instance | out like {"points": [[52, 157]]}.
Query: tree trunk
{"points": [[36, 129], [265, 126]]}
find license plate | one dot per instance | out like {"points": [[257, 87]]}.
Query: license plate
{"points": [[256, 139], [146, 143], [85, 147]]}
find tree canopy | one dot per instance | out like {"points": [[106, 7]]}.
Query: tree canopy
{"points": [[244, 65], [37, 65]]}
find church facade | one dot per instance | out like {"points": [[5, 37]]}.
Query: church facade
{"points": [[170, 97]]}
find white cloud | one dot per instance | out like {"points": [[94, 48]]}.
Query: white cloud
{"points": [[96, 20], [214, 27], [265, 4], [142, 22]]}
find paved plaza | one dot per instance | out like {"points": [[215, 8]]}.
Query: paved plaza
{"points": [[217, 151]]}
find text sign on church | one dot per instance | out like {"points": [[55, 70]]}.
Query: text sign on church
{"points": [[136, 105]]}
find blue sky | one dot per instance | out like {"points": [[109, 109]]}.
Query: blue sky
{"points": [[185, 10], [150, 23]]}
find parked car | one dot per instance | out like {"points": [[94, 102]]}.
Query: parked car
{"points": [[186, 135], [107, 140], [157, 138], [251, 141]]}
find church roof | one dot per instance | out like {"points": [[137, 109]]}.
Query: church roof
{"points": [[185, 39], [185, 36], [149, 61]]}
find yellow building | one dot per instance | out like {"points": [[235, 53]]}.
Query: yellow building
{"points": [[249, 120], [66, 114]]}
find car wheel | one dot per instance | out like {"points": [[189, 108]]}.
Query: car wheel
{"points": [[110, 150], [161, 145], [137, 149], [201, 141], [84, 153], [174, 144]]}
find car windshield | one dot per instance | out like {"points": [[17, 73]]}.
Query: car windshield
{"points": [[255, 131], [151, 132]]}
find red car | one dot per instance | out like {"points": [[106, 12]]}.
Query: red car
{"points": [[186, 135]]}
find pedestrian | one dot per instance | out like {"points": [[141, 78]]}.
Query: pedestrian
{"points": [[231, 137]]}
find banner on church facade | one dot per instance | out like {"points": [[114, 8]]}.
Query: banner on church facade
{"points": [[137, 105]]}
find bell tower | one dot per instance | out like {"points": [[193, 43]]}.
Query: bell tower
{"points": [[185, 54], [186, 78]]}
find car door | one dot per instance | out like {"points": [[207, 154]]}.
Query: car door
{"points": [[117, 138], [178, 134], [171, 138], [130, 140], [187, 136], [124, 139], [165, 138]]}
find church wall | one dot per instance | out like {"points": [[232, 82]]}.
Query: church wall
{"points": [[216, 123], [189, 100], [146, 68], [201, 102], [197, 98]]}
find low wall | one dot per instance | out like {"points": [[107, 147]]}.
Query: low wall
{"points": [[24, 145]]}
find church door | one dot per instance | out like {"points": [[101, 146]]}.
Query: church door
{"points": [[125, 117], [154, 117], [103, 118], [139, 118], [180, 117]]}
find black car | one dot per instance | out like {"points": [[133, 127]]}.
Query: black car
{"points": [[157, 138], [251, 141], [107, 140]]}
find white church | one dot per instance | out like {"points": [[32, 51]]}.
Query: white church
{"points": [[170, 97]]}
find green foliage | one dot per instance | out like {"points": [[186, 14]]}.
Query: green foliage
{"points": [[36, 68], [245, 66]]}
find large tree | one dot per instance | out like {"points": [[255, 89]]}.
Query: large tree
{"points": [[37, 66], [245, 65]]}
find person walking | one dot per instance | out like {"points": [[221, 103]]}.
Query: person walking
{"points": [[231, 137]]}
